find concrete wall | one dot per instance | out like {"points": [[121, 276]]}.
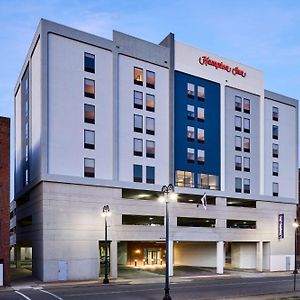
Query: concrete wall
{"points": [[243, 255]]}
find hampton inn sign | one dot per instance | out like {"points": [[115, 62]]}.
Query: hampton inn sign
{"points": [[206, 61]]}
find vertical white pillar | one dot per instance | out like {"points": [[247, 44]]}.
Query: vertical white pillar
{"points": [[259, 256], [113, 256], [220, 257], [171, 261]]}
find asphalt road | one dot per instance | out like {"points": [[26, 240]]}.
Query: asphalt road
{"points": [[187, 290]]}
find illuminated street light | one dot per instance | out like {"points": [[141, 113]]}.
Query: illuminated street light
{"points": [[106, 213]]}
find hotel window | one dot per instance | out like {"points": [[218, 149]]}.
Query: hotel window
{"points": [[275, 132], [190, 90], [208, 182], [246, 106], [138, 75], [275, 150], [238, 184], [185, 178], [246, 186], [150, 149], [89, 113], [200, 92], [190, 133], [238, 123], [200, 135], [275, 188], [150, 127], [190, 155], [138, 147], [238, 143], [275, 169], [138, 123], [89, 88], [190, 112], [246, 144], [238, 163], [150, 102], [89, 139], [137, 173], [138, 99], [275, 113], [150, 175], [200, 114], [201, 157], [238, 103], [150, 79], [89, 167], [246, 125], [247, 164], [89, 62]]}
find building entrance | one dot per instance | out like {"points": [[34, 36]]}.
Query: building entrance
{"points": [[153, 256]]}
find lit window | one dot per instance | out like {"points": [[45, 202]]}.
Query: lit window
{"points": [[200, 135], [150, 102], [137, 173], [275, 168], [138, 99], [150, 79], [238, 163], [247, 164], [89, 113], [190, 90], [275, 132], [275, 150], [150, 149], [190, 155], [184, 178], [275, 187], [246, 186], [275, 113], [89, 167], [238, 185], [150, 175], [150, 126], [89, 62], [238, 123], [89, 88], [190, 133], [138, 75], [246, 144], [208, 181], [138, 147], [89, 139], [246, 125], [200, 114], [190, 112], [201, 157], [138, 123], [238, 143], [246, 106], [238, 103], [200, 92]]}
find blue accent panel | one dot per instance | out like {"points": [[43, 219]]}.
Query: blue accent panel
{"points": [[211, 125]]}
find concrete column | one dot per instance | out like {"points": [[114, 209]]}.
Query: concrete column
{"points": [[17, 250], [259, 256], [171, 260], [220, 257], [113, 259]]}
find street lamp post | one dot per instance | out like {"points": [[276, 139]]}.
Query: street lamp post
{"points": [[295, 272], [105, 214], [167, 194]]}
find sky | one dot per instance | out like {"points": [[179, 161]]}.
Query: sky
{"points": [[259, 33]]}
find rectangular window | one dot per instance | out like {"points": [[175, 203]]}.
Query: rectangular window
{"points": [[142, 220], [241, 224], [238, 143], [190, 155], [275, 132], [184, 178], [150, 79], [246, 106], [190, 90], [138, 99], [247, 164], [190, 133], [201, 157], [200, 114], [275, 189], [238, 184], [89, 167], [238, 103], [150, 126], [89, 113], [150, 149], [238, 123], [150, 175], [89, 139], [89, 62], [138, 76], [208, 181], [150, 102], [195, 222], [190, 112], [138, 147], [200, 92], [246, 125], [89, 88], [275, 113], [138, 123], [246, 144], [200, 135], [137, 173], [238, 163], [246, 186], [275, 150], [240, 202], [275, 168]]}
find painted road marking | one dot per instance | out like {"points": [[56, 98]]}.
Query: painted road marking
{"points": [[53, 295], [19, 293]]}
